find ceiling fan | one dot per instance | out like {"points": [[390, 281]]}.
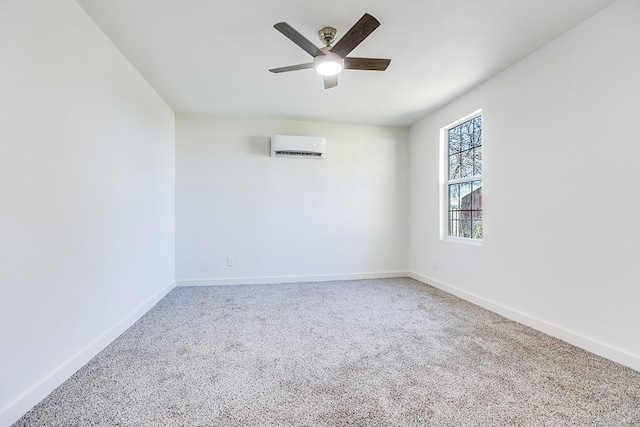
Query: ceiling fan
{"points": [[329, 61]]}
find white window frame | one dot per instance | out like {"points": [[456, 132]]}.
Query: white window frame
{"points": [[445, 182]]}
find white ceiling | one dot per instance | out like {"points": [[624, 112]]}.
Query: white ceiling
{"points": [[212, 57]]}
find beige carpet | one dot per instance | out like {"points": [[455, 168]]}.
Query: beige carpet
{"points": [[390, 352]]}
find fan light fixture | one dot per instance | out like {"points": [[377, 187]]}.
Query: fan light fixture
{"points": [[329, 64], [330, 61]]}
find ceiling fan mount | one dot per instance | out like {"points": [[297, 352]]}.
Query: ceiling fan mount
{"points": [[329, 61], [327, 35]]}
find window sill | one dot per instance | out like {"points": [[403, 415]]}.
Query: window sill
{"points": [[473, 242]]}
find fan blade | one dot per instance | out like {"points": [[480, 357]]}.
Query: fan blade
{"points": [[330, 81], [373, 64], [298, 39], [292, 68], [355, 35]]}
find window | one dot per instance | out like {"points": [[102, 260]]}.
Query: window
{"points": [[463, 178]]}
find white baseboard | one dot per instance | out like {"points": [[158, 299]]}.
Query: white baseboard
{"points": [[589, 344], [223, 281], [16, 409]]}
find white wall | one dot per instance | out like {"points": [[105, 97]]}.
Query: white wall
{"points": [[344, 216], [561, 150], [86, 197]]}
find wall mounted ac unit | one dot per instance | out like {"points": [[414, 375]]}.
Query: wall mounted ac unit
{"points": [[310, 147]]}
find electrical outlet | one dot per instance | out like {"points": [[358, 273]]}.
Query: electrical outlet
{"points": [[231, 261], [434, 262]]}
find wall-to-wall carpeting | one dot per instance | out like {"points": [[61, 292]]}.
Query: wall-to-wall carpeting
{"points": [[367, 352]]}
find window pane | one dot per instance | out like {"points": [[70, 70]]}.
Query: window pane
{"points": [[453, 223], [454, 196], [454, 166], [454, 140], [476, 220], [464, 224], [466, 135], [476, 195], [465, 196], [477, 131], [466, 164], [477, 161]]}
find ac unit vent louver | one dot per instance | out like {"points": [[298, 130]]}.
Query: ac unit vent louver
{"points": [[283, 153]]}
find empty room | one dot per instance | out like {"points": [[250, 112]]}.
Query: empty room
{"points": [[294, 213]]}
